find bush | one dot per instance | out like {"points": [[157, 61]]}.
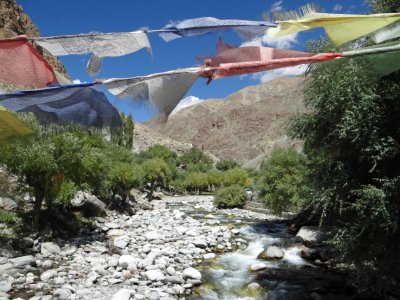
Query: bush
{"points": [[230, 196], [224, 165], [236, 176], [282, 183]]}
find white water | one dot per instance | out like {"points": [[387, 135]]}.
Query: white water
{"points": [[235, 273]]}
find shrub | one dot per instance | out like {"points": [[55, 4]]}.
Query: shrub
{"points": [[236, 176], [230, 196], [224, 165], [282, 183], [155, 172]]}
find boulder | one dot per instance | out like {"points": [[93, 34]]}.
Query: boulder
{"points": [[50, 248], [8, 204], [115, 232], [22, 261], [209, 256], [191, 273], [272, 252], [153, 235], [62, 294], [89, 204], [258, 267], [47, 275], [309, 235]]}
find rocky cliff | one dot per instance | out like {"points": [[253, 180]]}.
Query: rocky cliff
{"points": [[13, 22], [244, 126]]}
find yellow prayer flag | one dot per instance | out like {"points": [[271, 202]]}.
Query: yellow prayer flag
{"points": [[10, 125], [341, 28]]}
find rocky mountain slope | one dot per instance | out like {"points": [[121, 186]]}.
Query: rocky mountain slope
{"points": [[244, 126], [14, 21]]}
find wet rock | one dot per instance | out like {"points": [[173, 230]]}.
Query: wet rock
{"points": [[309, 253], [272, 252], [209, 256], [258, 267], [50, 248], [309, 235], [123, 294], [8, 204], [191, 273]]}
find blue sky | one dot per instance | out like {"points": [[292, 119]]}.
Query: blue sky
{"points": [[62, 17]]}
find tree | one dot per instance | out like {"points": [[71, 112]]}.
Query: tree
{"points": [[224, 165], [352, 141], [155, 172], [230, 196], [123, 177], [196, 156], [282, 180], [236, 176]]}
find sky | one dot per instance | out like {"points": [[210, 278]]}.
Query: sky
{"points": [[63, 17]]}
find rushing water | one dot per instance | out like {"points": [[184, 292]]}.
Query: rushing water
{"points": [[228, 276]]}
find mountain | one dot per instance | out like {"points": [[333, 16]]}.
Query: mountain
{"points": [[245, 126]]}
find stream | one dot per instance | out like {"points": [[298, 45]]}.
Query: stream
{"points": [[228, 276]]}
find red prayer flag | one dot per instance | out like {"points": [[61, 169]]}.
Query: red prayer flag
{"points": [[20, 64], [236, 61]]}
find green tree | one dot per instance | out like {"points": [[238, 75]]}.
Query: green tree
{"points": [[123, 177], [155, 172], [230, 196], [236, 176], [282, 182], [352, 140], [195, 156], [224, 165]]}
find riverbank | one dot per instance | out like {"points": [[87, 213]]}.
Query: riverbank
{"points": [[150, 255]]}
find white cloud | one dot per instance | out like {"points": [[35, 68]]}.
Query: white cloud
{"points": [[285, 42], [277, 6], [289, 71], [337, 7], [186, 102], [76, 81]]}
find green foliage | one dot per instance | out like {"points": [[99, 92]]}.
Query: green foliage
{"points": [[282, 182], [224, 165], [197, 181], [196, 156], [230, 196], [123, 177], [352, 140], [155, 172], [124, 136], [7, 217], [66, 192], [236, 176]]}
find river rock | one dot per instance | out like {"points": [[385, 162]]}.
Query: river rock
{"points": [[47, 275], [309, 235], [89, 204], [50, 248], [155, 275], [121, 242], [272, 252], [62, 294], [126, 260], [153, 235], [5, 286], [309, 253], [258, 267], [22, 261], [8, 204], [122, 294], [149, 260], [115, 232], [209, 256], [200, 243], [191, 273]]}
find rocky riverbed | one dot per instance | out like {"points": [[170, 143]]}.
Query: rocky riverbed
{"points": [[150, 255]]}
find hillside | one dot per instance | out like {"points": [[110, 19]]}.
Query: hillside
{"points": [[244, 126]]}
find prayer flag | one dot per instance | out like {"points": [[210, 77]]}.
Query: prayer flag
{"points": [[161, 90], [81, 104], [99, 44], [245, 60], [10, 126], [247, 30], [20, 64], [341, 28]]}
